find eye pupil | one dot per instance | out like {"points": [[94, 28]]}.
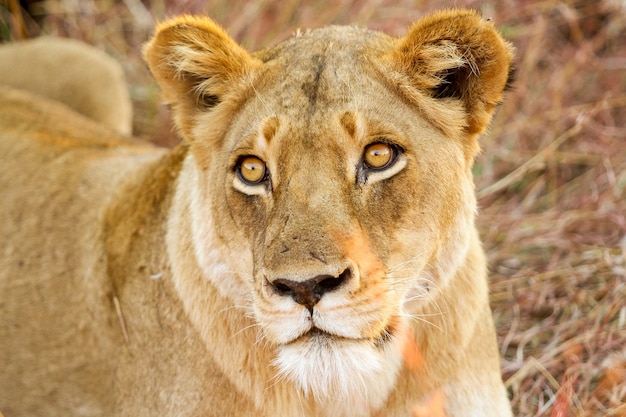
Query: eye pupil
{"points": [[378, 155], [252, 170]]}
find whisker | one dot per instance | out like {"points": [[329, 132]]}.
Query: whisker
{"points": [[244, 329], [235, 307]]}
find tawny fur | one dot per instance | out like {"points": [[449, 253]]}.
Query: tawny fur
{"points": [[78, 75], [136, 281]]}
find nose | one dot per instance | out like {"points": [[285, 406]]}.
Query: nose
{"points": [[309, 292]]}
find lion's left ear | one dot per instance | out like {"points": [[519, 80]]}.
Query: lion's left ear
{"points": [[455, 54], [196, 64]]}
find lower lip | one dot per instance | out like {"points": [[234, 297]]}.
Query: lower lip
{"points": [[379, 341]]}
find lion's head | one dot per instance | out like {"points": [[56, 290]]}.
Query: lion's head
{"points": [[334, 192]]}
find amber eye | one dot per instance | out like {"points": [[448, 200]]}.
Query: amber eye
{"points": [[379, 155], [251, 170]]}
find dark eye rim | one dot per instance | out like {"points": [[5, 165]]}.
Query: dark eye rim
{"points": [[264, 179], [396, 151]]}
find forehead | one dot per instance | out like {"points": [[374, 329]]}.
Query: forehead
{"points": [[309, 72], [342, 43]]}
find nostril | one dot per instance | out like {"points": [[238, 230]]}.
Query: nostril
{"points": [[328, 284], [282, 289]]}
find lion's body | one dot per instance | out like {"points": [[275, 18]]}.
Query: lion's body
{"points": [[57, 69], [136, 282]]}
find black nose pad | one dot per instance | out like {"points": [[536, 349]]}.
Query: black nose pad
{"points": [[309, 292]]}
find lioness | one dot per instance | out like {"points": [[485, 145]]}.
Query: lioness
{"points": [[309, 250]]}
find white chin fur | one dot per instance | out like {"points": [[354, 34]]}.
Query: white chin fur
{"points": [[345, 377]]}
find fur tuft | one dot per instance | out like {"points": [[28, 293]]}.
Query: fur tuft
{"points": [[354, 377]]}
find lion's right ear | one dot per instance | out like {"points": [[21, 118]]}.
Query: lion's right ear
{"points": [[196, 64]]}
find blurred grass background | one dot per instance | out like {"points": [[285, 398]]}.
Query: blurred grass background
{"points": [[551, 179]]}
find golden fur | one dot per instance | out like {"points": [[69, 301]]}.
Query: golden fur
{"points": [[140, 282], [84, 78]]}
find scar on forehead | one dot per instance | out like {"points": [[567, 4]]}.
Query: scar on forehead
{"points": [[348, 121], [270, 127]]}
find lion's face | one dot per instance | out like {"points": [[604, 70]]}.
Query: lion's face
{"points": [[339, 210], [339, 190]]}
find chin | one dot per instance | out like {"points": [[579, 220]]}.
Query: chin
{"points": [[347, 377]]}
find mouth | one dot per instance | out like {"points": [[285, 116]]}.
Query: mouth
{"points": [[317, 335]]}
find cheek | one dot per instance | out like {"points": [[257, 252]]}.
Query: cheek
{"points": [[408, 214], [244, 213], [236, 217], [387, 206]]}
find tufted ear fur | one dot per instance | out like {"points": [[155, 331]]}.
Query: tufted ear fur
{"points": [[456, 55], [196, 64]]}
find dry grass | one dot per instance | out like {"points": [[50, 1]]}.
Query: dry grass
{"points": [[552, 179]]}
